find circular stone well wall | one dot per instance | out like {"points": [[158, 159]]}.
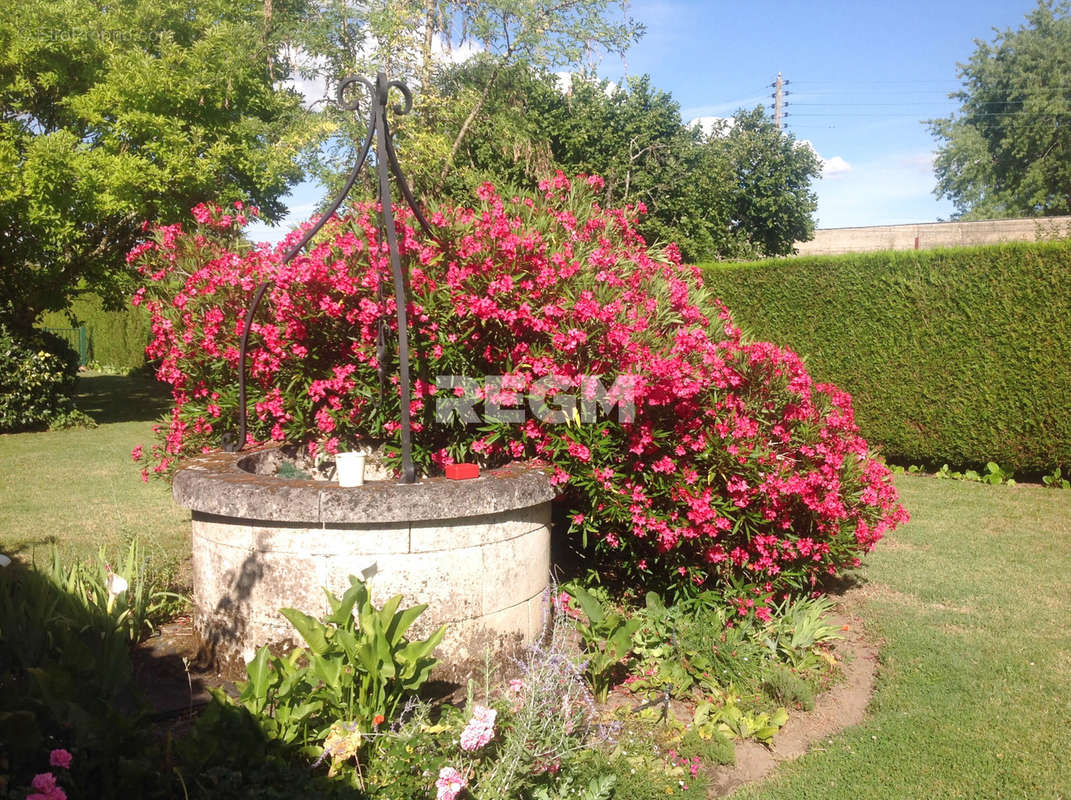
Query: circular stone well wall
{"points": [[476, 551]]}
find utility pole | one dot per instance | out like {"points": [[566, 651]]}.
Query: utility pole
{"points": [[779, 100]]}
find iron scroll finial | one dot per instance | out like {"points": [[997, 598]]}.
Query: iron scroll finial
{"points": [[386, 163]]}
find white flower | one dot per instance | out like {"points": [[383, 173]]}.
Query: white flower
{"points": [[116, 584], [4, 560]]}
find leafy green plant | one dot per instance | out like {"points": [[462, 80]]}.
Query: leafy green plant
{"points": [[357, 666], [38, 372], [785, 686], [606, 636], [126, 595], [710, 745], [797, 628], [601, 787], [1055, 480], [995, 476], [66, 680], [731, 720], [1001, 397]]}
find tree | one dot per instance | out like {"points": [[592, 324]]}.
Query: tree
{"points": [[742, 192], [401, 37], [112, 113], [545, 34], [1007, 151], [771, 204]]}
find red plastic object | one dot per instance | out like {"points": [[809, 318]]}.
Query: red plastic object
{"points": [[460, 472]]}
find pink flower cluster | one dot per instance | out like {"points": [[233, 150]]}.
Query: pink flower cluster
{"points": [[44, 784], [449, 784], [736, 469], [45, 788], [480, 728]]}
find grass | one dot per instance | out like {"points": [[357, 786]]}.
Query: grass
{"points": [[78, 489], [971, 602]]}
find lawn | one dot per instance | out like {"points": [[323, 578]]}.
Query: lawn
{"points": [[971, 604], [79, 490]]}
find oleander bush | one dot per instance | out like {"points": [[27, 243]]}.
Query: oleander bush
{"points": [[951, 356], [709, 460]]}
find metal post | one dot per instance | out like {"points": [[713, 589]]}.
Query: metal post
{"points": [[386, 163]]}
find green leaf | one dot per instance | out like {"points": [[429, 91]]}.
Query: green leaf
{"points": [[402, 622], [591, 607], [259, 676], [311, 629]]}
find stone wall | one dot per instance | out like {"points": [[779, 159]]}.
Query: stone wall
{"points": [[924, 236], [476, 551]]}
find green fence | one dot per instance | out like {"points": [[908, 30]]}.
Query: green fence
{"points": [[77, 339]]}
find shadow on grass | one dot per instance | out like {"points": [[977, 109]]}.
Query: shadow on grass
{"points": [[27, 548], [68, 679], [121, 398]]}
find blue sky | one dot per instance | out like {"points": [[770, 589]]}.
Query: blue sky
{"points": [[862, 76]]}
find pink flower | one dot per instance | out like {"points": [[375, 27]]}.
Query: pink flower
{"points": [[45, 787], [135, 454], [480, 730], [59, 758], [44, 782], [449, 784]]}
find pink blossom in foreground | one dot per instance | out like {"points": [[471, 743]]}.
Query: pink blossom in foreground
{"points": [[448, 785], [480, 729]]}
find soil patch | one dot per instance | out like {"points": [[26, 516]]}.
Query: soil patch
{"points": [[171, 676]]}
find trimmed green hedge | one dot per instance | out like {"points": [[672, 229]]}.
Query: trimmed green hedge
{"points": [[958, 356], [115, 338]]}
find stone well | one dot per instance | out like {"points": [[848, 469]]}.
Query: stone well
{"points": [[476, 551]]}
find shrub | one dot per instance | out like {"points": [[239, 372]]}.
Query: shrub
{"points": [[954, 356], [37, 378], [730, 465]]}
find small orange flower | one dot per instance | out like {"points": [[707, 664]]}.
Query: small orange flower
{"points": [[377, 720]]}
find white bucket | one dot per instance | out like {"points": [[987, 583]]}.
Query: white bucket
{"points": [[349, 467]]}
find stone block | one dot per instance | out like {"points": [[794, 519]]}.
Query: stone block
{"points": [[336, 540], [516, 569], [449, 534]]}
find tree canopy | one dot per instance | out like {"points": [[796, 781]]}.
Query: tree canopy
{"points": [[412, 40], [1007, 151], [743, 190], [113, 113]]}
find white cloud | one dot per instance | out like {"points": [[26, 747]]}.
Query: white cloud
{"points": [[315, 91], [711, 124], [833, 167], [721, 109], [303, 200], [892, 189], [453, 54], [565, 82]]}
